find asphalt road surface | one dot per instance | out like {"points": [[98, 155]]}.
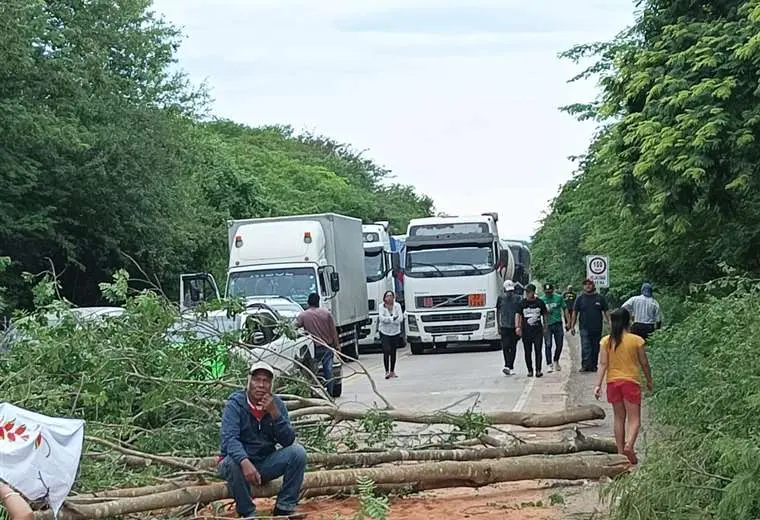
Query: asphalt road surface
{"points": [[455, 378]]}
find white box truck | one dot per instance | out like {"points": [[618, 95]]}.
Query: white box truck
{"points": [[294, 256], [454, 271], [381, 265]]}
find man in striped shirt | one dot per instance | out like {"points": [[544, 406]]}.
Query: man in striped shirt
{"points": [[646, 312]]}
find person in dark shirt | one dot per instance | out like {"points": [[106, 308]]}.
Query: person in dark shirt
{"points": [[320, 325], [569, 297], [591, 308], [507, 306], [531, 325], [254, 422]]}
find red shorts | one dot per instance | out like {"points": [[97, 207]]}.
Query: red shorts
{"points": [[619, 391]]}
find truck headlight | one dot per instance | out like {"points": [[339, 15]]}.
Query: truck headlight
{"points": [[490, 319], [412, 320]]}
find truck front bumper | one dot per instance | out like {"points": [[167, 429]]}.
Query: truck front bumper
{"points": [[368, 334], [452, 326]]}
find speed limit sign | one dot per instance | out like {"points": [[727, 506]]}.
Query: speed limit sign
{"points": [[598, 270]]}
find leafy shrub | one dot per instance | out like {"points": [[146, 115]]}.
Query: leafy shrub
{"points": [[122, 375], [704, 460]]}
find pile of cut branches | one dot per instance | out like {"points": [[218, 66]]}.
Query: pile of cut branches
{"points": [[153, 407]]}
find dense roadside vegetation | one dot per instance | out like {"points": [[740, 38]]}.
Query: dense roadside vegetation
{"points": [[109, 159], [669, 189]]}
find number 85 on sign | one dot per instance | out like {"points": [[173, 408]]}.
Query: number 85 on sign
{"points": [[598, 270]]}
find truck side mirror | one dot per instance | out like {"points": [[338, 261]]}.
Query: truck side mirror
{"points": [[504, 257], [395, 262], [334, 282]]}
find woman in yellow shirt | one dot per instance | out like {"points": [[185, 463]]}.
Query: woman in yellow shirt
{"points": [[623, 358]]}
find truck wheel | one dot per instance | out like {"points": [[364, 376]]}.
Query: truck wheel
{"points": [[337, 389], [350, 351], [417, 348]]}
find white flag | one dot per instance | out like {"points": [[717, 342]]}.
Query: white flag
{"points": [[39, 455]]}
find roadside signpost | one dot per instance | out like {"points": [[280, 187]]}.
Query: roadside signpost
{"points": [[598, 270]]}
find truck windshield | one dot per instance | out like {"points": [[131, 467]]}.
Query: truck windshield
{"points": [[295, 283], [374, 265], [451, 261]]}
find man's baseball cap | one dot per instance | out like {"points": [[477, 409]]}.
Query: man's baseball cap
{"points": [[509, 285], [260, 365], [548, 287]]}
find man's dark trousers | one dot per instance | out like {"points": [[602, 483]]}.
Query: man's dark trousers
{"points": [[556, 332], [532, 342], [288, 463], [508, 346], [590, 340], [324, 357]]}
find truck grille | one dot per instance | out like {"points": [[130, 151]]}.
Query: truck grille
{"points": [[441, 300], [452, 329], [451, 316]]}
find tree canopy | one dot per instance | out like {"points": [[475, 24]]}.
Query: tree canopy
{"points": [[668, 188], [109, 161]]}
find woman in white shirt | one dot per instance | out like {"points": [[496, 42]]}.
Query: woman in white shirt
{"points": [[389, 325]]}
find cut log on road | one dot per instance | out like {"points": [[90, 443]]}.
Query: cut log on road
{"points": [[366, 459], [527, 420], [437, 474]]}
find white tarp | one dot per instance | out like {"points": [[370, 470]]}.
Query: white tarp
{"points": [[39, 455]]}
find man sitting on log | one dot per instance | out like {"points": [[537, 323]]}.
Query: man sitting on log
{"points": [[253, 422]]}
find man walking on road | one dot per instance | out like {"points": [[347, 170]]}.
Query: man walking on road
{"points": [[507, 306], [647, 315], [320, 324], [569, 297], [530, 323], [557, 310], [591, 307]]}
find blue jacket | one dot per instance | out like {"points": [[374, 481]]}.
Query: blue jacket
{"points": [[243, 436]]}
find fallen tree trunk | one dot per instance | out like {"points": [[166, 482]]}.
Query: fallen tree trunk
{"points": [[527, 420], [438, 474], [367, 459]]}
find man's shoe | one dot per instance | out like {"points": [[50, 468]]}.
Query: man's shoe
{"points": [[539, 374], [290, 515], [506, 371], [550, 368]]}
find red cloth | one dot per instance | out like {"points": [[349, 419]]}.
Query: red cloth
{"points": [[619, 391]]}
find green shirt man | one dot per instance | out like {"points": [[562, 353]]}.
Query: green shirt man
{"points": [[555, 305]]}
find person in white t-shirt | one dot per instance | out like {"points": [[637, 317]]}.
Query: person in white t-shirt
{"points": [[389, 325]]}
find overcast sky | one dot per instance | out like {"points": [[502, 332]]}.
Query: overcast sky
{"points": [[458, 97]]}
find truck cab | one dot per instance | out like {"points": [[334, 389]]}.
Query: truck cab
{"points": [[380, 266], [454, 271]]}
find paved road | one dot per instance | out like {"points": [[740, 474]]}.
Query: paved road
{"points": [[438, 380]]}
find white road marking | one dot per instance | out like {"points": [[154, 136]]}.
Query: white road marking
{"points": [[520, 404]]}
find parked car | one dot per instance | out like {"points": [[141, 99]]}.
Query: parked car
{"points": [[80, 315], [265, 336]]}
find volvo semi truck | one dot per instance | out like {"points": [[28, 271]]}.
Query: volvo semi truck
{"points": [[380, 268], [454, 271], [292, 257]]}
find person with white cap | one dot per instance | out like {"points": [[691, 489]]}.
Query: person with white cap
{"points": [[507, 305], [254, 422]]}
